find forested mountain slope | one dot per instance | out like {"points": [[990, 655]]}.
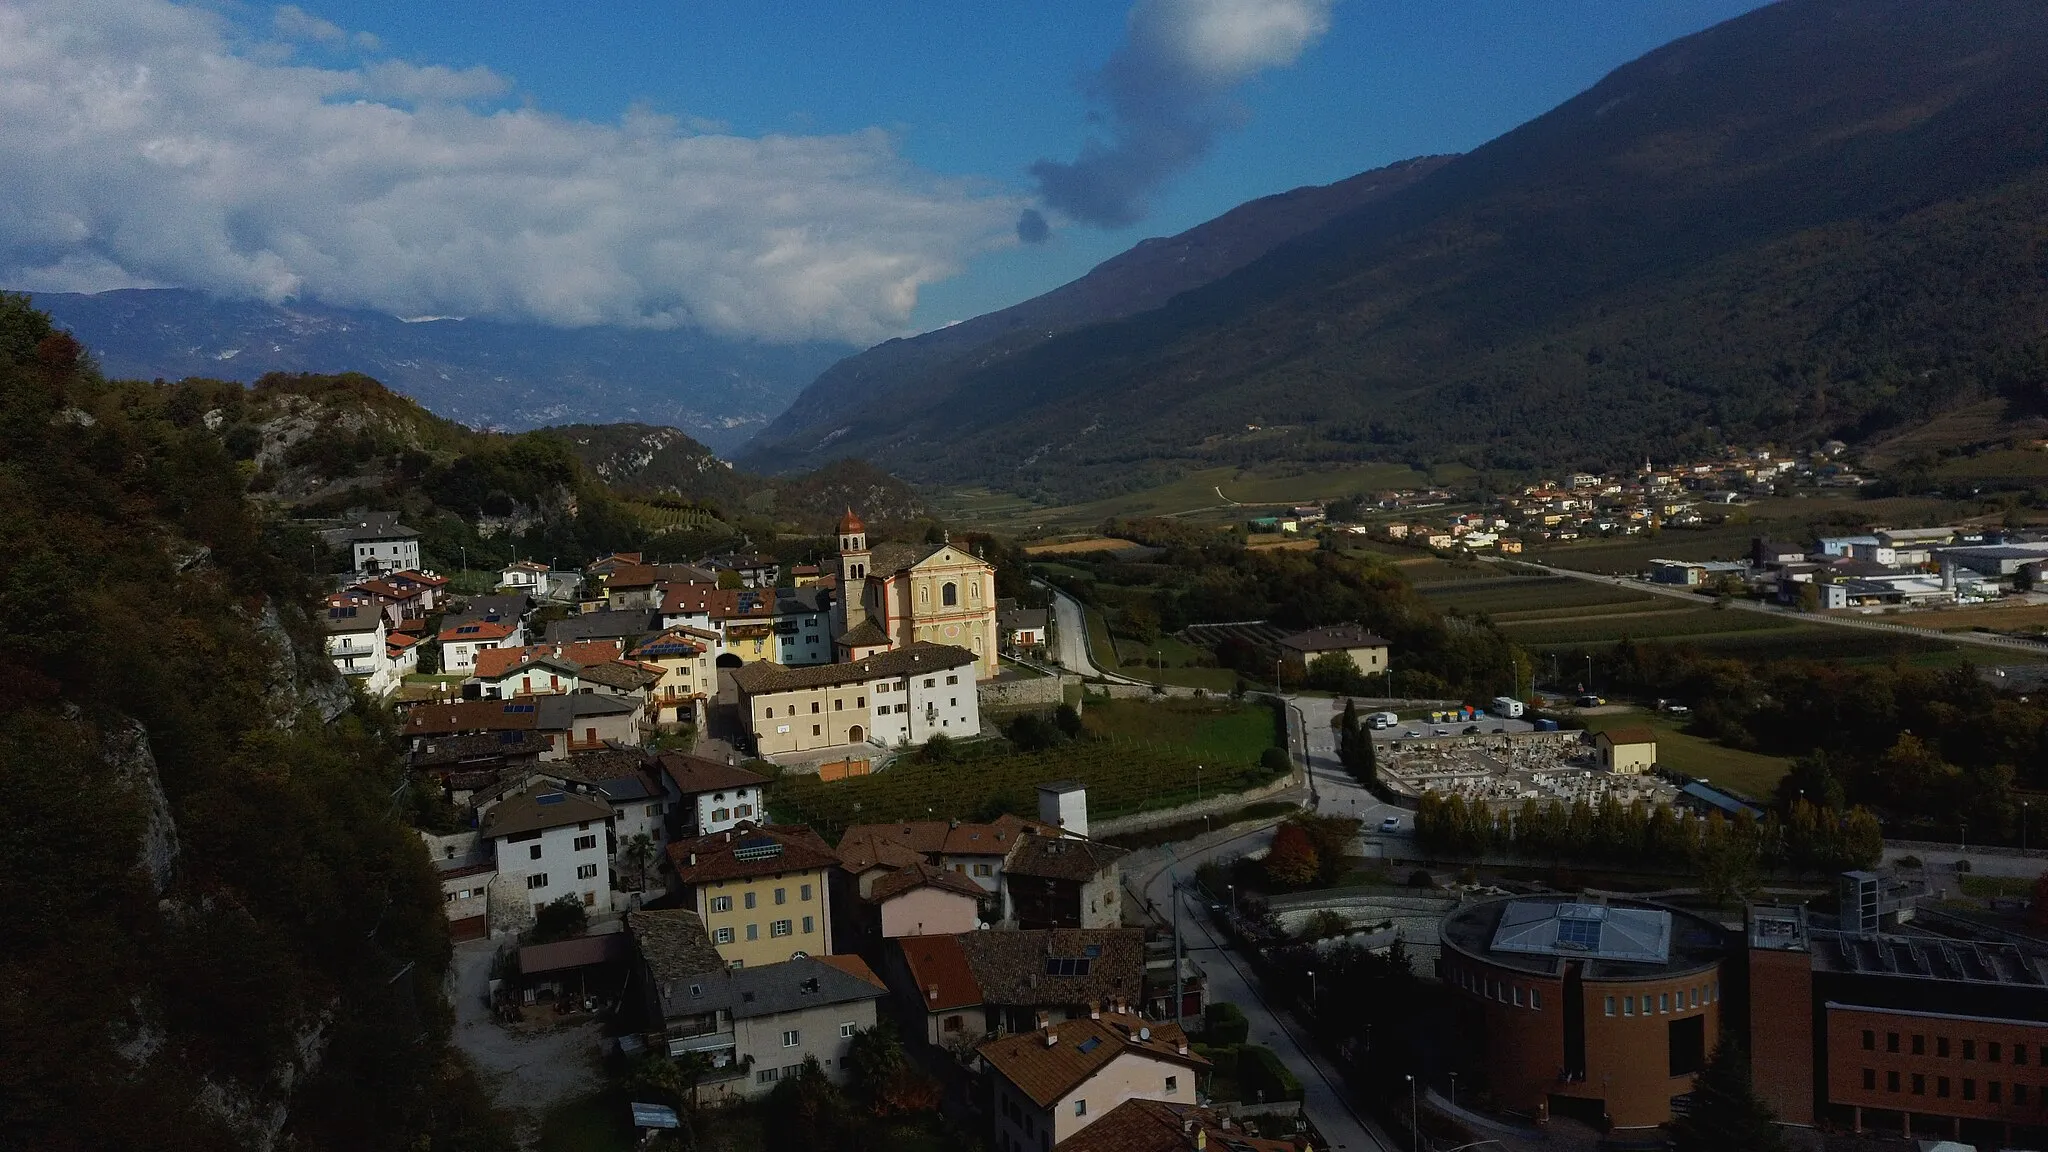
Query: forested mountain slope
{"points": [[1823, 218], [219, 933], [865, 385]]}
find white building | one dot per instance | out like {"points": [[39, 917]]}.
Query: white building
{"points": [[710, 796], [463, 639], [378, 543], [524, 576], [557, 843], [900, 696], [358, 641]]}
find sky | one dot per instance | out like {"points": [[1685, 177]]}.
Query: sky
{"points": [[780, 171]]}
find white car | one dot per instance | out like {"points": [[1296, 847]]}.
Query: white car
{"points": [[1391, 824]]}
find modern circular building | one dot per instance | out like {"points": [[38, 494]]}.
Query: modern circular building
{"points": [[1602, 1012]]}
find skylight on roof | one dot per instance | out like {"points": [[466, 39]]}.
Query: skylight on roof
{"points": [[1582, 934], [1067, 965], [1091, 1044]]}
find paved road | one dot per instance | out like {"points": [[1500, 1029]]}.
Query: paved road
{"points": [[1070, 638], [1324, 1099], [1981, 639]]}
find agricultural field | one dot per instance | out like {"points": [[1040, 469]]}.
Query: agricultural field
{"points": [[1244, 492], [1134, 760], [1749, 773], [660, 518], [2031, 617], [1184, 660], [1651, 625], [1086, 545], [1517, 595]]}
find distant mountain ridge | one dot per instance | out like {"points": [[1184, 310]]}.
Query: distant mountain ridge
{"points": [[485, 374], [1818, 219], [1138, 280]]}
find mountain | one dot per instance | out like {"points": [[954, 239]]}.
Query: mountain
{"points": [[221, 933], [1819, 219], [481, 373], [1136, 281], [649, 458]]}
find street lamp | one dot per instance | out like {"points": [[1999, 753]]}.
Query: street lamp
{"points": [[1311, 989], [1233, 898], [1414, 1127], [1454, 1091], [2023, 825]]}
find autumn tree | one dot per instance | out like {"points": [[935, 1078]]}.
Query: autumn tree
{"points": [[1292, 861]]}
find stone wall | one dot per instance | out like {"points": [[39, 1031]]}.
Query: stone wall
{"points": [[1011, 695], [1210, 805]]}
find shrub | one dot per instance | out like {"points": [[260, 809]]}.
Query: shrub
{"points": [[1420, 878], [1263, 1077], [1224, 1024], [1275, 760]]}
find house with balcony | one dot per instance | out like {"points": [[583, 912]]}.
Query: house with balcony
{"points": [[550, 843], [709, 795], [1048, 1084], [755, 1025]]}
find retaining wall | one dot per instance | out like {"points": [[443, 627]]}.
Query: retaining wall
{"points": [[1041, 692], [1222, 802]]}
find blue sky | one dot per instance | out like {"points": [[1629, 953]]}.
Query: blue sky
{"points": [[871, 154]]}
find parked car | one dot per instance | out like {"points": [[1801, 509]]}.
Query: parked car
{"points": [[1412, 732], [1590, 701], [1473, 729], [1391, 824], [1382, 720]]}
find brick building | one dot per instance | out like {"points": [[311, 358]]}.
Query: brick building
{"points": [[1603, 1012], [1899, 1030]]}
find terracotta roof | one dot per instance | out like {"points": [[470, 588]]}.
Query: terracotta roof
{"points": [[923, 656], [621, 675], [416, 576], [886, 560], [630, 576], [742, 603], [694, 774], [1012, 968], [675, 642], [750, 850], [470, 716], [608, 764], [542, 806], [1081, 1048], [1061, 857], [525, 566], [923, 875], [444, 751], [853, 966], [579, 952], [1141, 1125], [1637, 735], [866, 634], [478, 630], [857, 855], [687, 598], [939, 969], [850, 523], [935, 837], [673, 943], [1336, 637]]}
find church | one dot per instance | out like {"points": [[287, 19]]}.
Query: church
{"points": [[894, 595]]}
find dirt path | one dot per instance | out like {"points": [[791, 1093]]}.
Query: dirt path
{"points": [[526, 1074]]}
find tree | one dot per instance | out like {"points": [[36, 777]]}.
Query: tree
{"points": [[1726, 1114], [2037, 913], [639, 854], [1336, 672], [1292, 862], [560, 919], [1067, 719]]}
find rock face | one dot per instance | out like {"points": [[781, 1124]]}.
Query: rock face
{"points": [[125, 747]]}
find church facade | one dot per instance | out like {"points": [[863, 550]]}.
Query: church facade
{"points": [[894, 595]]}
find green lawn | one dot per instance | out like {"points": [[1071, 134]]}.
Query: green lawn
{"points": [[1658, 625], [1106, 653], [1223, 734], [1531, 594], [1750, 773]]}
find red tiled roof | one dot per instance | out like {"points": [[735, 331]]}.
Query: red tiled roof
{"points": [[469, 716], [923, 875], [478, 630], [853, 966], [694, 774], [939, 969], [687, 597], [745, 851], [1142, 1125], [1046, 1072]]}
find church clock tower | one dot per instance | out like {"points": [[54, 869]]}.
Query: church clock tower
{"points": [[853, 571]]}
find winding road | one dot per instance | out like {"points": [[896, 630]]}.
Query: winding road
{"points": [[1070, 638]]}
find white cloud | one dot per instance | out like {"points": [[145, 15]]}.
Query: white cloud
{"points": [[1166, 91], [140, 146]]}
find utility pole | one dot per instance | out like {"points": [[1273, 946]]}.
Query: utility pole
{"points": [[1178, 1001]]}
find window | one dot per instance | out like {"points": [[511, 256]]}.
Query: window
{"points": [[1919, 1045], [847, 1029], [1664, 1002], [753, 931], [585, 843], [2019, 1054], [952, 679], [951, 1024], [1172, 1085], [808, 926], [804, 892], [952, 701], [1969, 1089], [654, 809], [928, 682], [1991, 1051], [1969, 1049], [1869, 1040], [839, 705], [1941, 1086], [816, 730], [767, 1075], [1610, 1005], [1891, 1081], [791, 1038], [721, 813], [2019, 1094], [1994, 1091], [742, 810], [586, 871], [949, 595], [722, 936], [1536, 999], [1919, 1084], [1891, 1041], [814, 707], [721, 903], [1080, 1106], [1518, 995], [1628, 1005], [748, 899], [984, 869], [1941, 1045], [537, 880], [782, 895], [860, 701], [533, 853], [1870, 1079], [778, 928]]}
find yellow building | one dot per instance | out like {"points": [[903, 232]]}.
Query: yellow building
{"points": [[760, 891], [1367, 652], [1629, 751], [689, 675], [934, 593]]}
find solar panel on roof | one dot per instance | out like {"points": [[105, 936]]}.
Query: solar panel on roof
{"points": [[1067, 965], [757, 850], [1584, 934], [549, 798], [1091, 1044]]}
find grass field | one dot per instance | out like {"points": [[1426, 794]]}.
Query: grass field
{"points": [[1606, 629], [1195, 492], [1085, 545], [1139, 761], [2029, 464], [1110, 655], [1997, 617], [1531, 594], [1754, 775]]}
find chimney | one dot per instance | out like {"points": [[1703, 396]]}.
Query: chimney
{"points": [[1095, 1012], [1052, 1038], [693, 859]]}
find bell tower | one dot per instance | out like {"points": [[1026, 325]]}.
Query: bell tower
{"points": [[853, 571]]}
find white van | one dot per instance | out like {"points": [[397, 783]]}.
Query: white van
{"points": [[1507, 706], [1381, 720]]}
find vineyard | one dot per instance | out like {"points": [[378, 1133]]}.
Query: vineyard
{"points": [[1217, 752], [658, 518]]}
